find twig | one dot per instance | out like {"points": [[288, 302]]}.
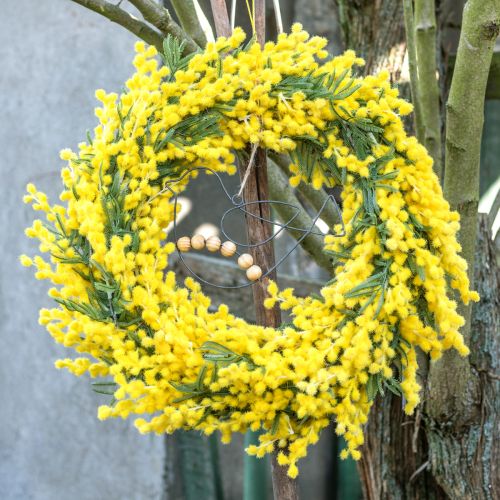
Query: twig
{"points": [[419, 470], [416, 430], [428, 88], [160, 17], [193, 20], [277, 15], [233, 14], [123, 18], [248, 169], [412, 65], [221, 19]]}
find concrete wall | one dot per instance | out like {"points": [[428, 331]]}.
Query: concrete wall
{"points": [[53, 55]]}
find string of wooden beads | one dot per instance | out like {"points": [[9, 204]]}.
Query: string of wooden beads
{"points": [[213, 244], [198, 242], [184, 244], [227, 249], [245, 260], [254, 273]]}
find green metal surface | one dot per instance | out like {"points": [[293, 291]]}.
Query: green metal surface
{"points": [[256, 472]]}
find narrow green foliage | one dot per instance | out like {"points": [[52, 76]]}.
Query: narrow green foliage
{"points": [[172, 55]]}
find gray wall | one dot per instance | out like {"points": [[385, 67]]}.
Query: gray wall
{"points": [[53, 55]]}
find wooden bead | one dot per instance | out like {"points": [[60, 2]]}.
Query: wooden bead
{"points": [[254, 273], [228, 249], [213, 244], [184, 244], [245, 260], [198, 242]]}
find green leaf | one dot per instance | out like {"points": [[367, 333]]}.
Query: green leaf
{"points": [[346, 93], [103, 287], [394, 386], [107, 388], [372, 387], [370, 283], [276, 421], [172, 55]]}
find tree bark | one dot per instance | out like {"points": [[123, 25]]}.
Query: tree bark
{"points": [[411, 48], [375, 30], [464, 449], [428, 88]]}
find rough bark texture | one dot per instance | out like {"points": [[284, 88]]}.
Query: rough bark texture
{"points": [[394, 463], [436, 458], [465, 451], [375, 30]]}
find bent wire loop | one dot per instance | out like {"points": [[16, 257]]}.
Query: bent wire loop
{"points": [[239, 204]]}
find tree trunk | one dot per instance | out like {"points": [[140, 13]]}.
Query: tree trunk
{"points": [[420, 457], [428, 458], [465, 452], [375, 30]]}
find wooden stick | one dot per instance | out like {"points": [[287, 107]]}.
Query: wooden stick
{"points": [[221, 18], [260, 21], [256, 189]]}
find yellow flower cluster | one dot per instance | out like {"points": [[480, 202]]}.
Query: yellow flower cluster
{"points": [[164, 355]]}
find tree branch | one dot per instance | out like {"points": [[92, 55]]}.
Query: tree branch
{"points": [[123, 18], [493, 86], [412, 64], [428, 88], [465, 116], [221, 18], [315, 197], [193, 21], [280, 189], [160, 17]]}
